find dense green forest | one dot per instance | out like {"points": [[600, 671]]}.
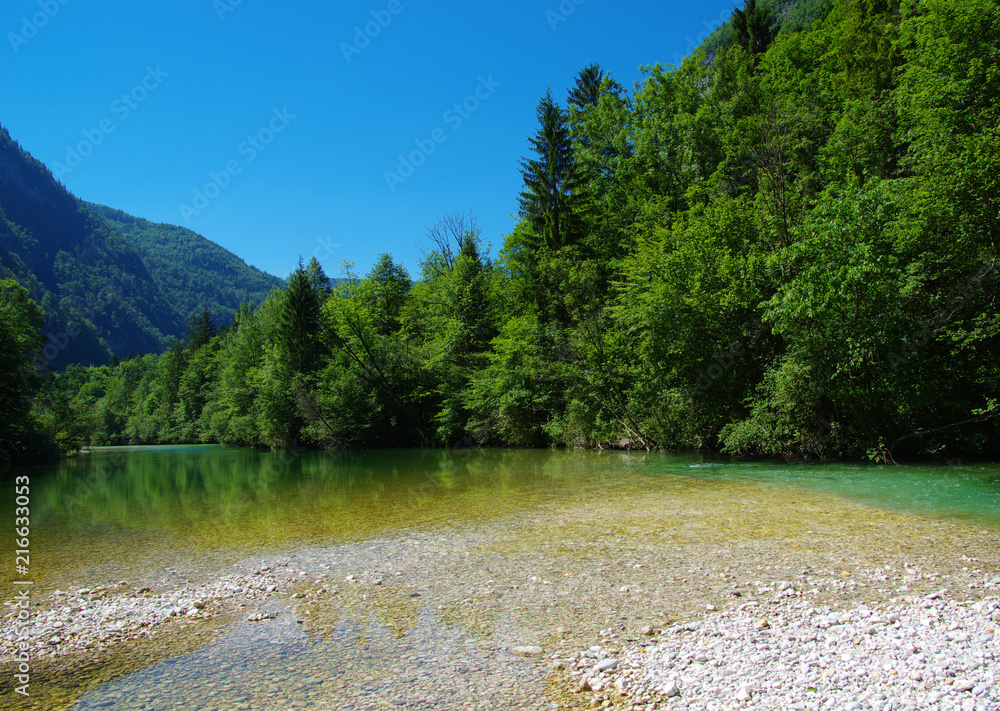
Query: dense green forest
{"points": [[784, 247], [193, 272], [110, 284]]}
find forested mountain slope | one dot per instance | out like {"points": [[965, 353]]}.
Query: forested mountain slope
{"points": [[193, 272], [108, 283], [97, 294]]}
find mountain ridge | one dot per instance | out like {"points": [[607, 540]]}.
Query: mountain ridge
{"points": [[110, 283]]}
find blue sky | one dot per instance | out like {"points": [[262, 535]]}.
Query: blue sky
{"points": [[289, 122]]}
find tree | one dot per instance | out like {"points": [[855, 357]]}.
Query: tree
{"points": [[587, 89], [446, 237], [470, 303], [300, 319], [20, 346], [866, 45], [242, 363], [200, 330], [599, 121], [753, 28], [552, 181], [317, 277], [391, 284], [369, 390], [463, 329]]}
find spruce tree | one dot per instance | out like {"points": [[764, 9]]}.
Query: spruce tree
{"points": [[300, 321], [587, 89], [552, 181], [200, 330]]}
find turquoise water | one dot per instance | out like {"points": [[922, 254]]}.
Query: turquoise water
{"points": [[969, 492]]}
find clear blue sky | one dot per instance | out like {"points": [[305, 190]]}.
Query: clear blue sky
{"points": [[162, 96]]}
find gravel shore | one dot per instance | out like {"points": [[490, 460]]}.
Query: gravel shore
{"points": [[935, 654], [81, 620], [633, 602]]}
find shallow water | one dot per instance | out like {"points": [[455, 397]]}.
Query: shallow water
{"points": [[141, 513], [167, 516]]}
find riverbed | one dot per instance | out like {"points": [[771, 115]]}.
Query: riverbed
{"points": [[456, 579]]}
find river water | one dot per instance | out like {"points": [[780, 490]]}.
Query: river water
{"points": [[163, 516]]}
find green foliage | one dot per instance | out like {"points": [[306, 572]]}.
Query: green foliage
{"points": [[193, 273], [300, 317], [790, 16], [753, 28], [787, 246], [550, 201], [20, 346]]}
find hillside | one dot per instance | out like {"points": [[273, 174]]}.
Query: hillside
{"points": [[790, 16], [192, 271], [109, 283]]}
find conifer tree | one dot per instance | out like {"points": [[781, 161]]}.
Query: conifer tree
{"points": [[587, 89], [300, 321], [552, 180], [200, 330]]}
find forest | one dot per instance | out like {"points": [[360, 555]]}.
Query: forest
{"points": [[784, 247], [109, 283]]}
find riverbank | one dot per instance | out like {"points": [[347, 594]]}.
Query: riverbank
{"points": [[506, 613], [935, 653]]}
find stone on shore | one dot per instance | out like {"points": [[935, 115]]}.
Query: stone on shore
{"points": [[527, 651]]}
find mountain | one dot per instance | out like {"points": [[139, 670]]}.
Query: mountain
{"points": [[193, 272], [109, 283]]}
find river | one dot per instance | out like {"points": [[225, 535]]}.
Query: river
{"points": [[169, 517]]}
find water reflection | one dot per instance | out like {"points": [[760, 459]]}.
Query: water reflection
{"points": [[121, 510]]}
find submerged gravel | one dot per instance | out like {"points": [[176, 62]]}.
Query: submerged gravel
{"points": [[628, 602]]}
